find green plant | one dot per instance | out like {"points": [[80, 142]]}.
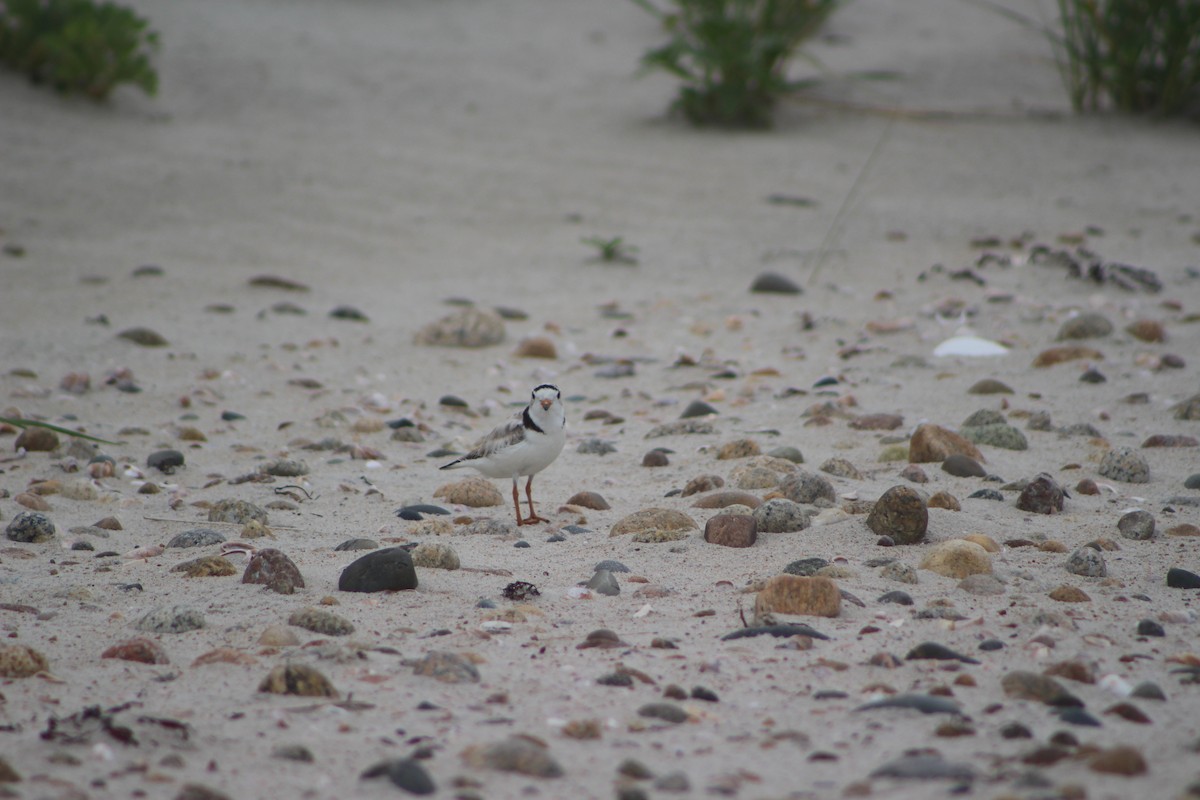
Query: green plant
{"points": [[732, 55], [1134, 56], [614, 250], [78, 45], [30, 423]]}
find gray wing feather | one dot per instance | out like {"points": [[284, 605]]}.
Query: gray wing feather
{"points": [[505, 436]]}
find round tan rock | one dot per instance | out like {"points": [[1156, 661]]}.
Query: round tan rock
{"points": [[473, 492], [958, 558], [21, 661], [536, 347], [984, 541], [944, 500], [728, 498], [1069, 594], [738, 448], [932, 442], [653, 519]]}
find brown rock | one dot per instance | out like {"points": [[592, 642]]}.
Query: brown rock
{"points": [[31, 501], [1087, 486], [934, 443], [1129, 712], [206, 566], [592, 500], [109, 524], [275, 570], [655, 458], [877, 422], [961, 466], [1147, 330], [1031, 686], [731, 530], [1127, 761], [793, 594], [1069, 594], [944, 500], [1184, 529], [224, 655], [1042, 495], [447, 667], [536, 347], [702, 483], [914, 473], [297, 679], [141, 649], [957, 558], [989, 386], [1071, 670], [901, 514], [36, 440], [1070, 352], [524, 755], [1171, 440], [728, 498]]}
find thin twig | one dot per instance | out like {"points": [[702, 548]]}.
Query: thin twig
{"points": [[213, 522]]}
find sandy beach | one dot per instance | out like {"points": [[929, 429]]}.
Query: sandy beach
{"points": [[387, 165]]}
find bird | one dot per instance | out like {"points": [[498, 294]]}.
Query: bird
{"points": [[525, 445]]}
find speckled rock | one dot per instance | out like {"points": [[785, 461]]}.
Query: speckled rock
{"points": [[447, 667], [780, 515], [1188, 409], [738, 448], [474, 492], [1125, 464], [805, 487], [173, 619], [1137, 524], [273, 569], [236, 511], [206, 567], [982, 417], [297, 679], [196, 537], [957, 558], [389, 569], [434, 555], [1042, 495], [654, 519], [841, 468], [901, 514], [31, 527], [470, 327], [318, 620], [1088, 562], [1088, 325], [931, 442], [791, 594], [899, 571], [518, 754], [285, 468], [1001, 435]]}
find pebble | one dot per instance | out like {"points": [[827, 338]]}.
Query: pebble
{"points": [[435, 555], [924, 767], [21, 661], [667, 712], [143, 336], [277, 282], [805, 567], [698, 408], [1170, 440], [779, 631], [1088, 325], [986, 494], [931, 442], [876, 422], [596, 447], [681, 427], [520, 754], [420, 511], [1188, 409], [285, 468], [536, 347], [238, 512], [1092, 375], [165, 461], [273, 569], [788, 453], [982, 585], [31, 527], [925, 703], [389, 569], [140, 649], [474, 492], [984, 417], [937, 652], [1182, 579], [914, 473], [1147, 330], [901, 514], [650, 521], [805, 487], [1025, 685], [206, 566], [357, 544], [592, 500], [1122, 760], [1088, 562], [896, 597], [731, 530], [1000, 435], [728, 498], [675, 782], [962, 466], [1125, 464], [196, 537], [655, 458], [1059, 355], [1184, 529], [702, 483], [173, 619], [605, 583], [36, 440], [989, 386], [1149, 627], [780, 515], [611, 565], [297, 679], [293, 752], [957, 558], [318, 620], [1192, 481], [278, 636], [1137, 524], [470, 327], [900, 572], [404, 773], [792, 594], [944, 500], [1148, 690], [1042, 495]]}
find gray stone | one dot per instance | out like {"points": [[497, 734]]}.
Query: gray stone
{"points": [[1137, 524], [196, 537], [1088, 562], [1125, 464], [31, 527], [389, 569], [174, 619], [604, 582], [780, 515], [804, 487]]}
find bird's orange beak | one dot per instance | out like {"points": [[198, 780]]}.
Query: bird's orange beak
{"points": [[546, 404]]}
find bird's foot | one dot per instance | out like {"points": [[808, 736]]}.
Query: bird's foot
{"points": [[532, 520]]}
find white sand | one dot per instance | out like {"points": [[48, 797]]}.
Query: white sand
{"points": [[394, 155]]}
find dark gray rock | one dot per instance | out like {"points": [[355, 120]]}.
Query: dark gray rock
{"points": [[165, 461], [31, 527], [390, 569], [196, 537], [1137, 524]]}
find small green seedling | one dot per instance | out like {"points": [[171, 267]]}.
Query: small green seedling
{"points": [[612, 251], [30, 423]]}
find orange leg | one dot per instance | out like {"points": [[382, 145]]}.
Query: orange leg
{"points": [[517, 503], [533, 517]]}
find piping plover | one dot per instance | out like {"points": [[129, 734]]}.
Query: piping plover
{"points": [[524, 446]]}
